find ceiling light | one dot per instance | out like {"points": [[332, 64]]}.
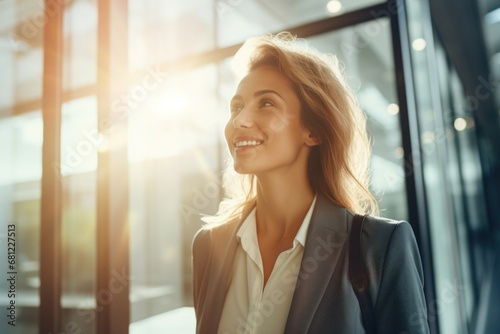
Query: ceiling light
{"points": [[418, 44], [393, 109], [460, 124], [334, 6]]}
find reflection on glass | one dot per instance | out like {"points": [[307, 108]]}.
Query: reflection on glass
{"points": [[173, 156], [21, 61], [174, 117], [162, 31], [21, 52], [80, 44], [20, 174], [79, 137], [470, 202], [366, 52], [238, 20], [79, 145], [440, 173], [177, 150]]}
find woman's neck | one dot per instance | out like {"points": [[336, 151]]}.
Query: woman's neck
{"points": [[282, 204]]}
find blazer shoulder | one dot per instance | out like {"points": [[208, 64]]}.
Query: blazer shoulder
{"points": [[396, 276], [211, 233], [382, 237], [380, 227], [380, 234], [208, 235], [377, 231], [201, 239]]}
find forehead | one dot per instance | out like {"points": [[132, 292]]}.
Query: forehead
{"points": [[264, 77]]}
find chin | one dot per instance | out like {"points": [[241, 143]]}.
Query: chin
{"points": [[240, 169]]}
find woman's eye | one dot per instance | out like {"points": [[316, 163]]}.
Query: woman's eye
{"points": [[266, 103], [236, 108]]}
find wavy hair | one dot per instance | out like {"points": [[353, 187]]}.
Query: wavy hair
{"points": [[338, 167]]}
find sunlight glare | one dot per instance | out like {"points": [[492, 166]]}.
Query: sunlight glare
{"points": [[172, 103]]}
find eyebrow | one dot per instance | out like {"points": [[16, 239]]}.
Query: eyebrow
{"points": [[258, 93]]}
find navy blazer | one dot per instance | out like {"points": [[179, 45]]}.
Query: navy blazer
{"points": [[323, 299]]}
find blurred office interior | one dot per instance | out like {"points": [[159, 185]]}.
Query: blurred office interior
{"points": [[111, 146]]}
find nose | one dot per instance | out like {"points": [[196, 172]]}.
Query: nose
{"points": [[244, 119]]}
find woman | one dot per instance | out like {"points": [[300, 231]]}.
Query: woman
{"points": [[275, 257]]}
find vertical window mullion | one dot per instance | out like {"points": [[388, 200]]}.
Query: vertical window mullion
{"points": [[50, 231], [414, 177], [113, 284]]}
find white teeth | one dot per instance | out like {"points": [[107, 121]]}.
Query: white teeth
{"points": [[248, 143]]}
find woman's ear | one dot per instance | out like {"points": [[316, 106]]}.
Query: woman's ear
{"points": [[311, 140]]}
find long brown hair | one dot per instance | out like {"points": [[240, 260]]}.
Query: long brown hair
{"points": [[338, 167]]}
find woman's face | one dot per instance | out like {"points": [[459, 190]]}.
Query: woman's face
{"points": [[265, 132]]}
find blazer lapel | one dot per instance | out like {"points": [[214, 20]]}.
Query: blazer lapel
{"points": [[222, 257], [324, 243]]}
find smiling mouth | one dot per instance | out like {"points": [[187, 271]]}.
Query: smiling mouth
{"points": [[248, 143]]}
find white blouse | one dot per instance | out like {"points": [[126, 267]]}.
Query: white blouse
{"points": [[249, 308]]}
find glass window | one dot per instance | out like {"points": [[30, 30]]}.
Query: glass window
{"points": [[176, 147], [441, 174], [79, 147], [365, 50], [454, 171], [21, 136], [78, 152], [80, 44], [238, 20], [471, 201], [21, 55], [177, 151], [21, 140], [20, 191], [162, 31], [173, 156]]}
